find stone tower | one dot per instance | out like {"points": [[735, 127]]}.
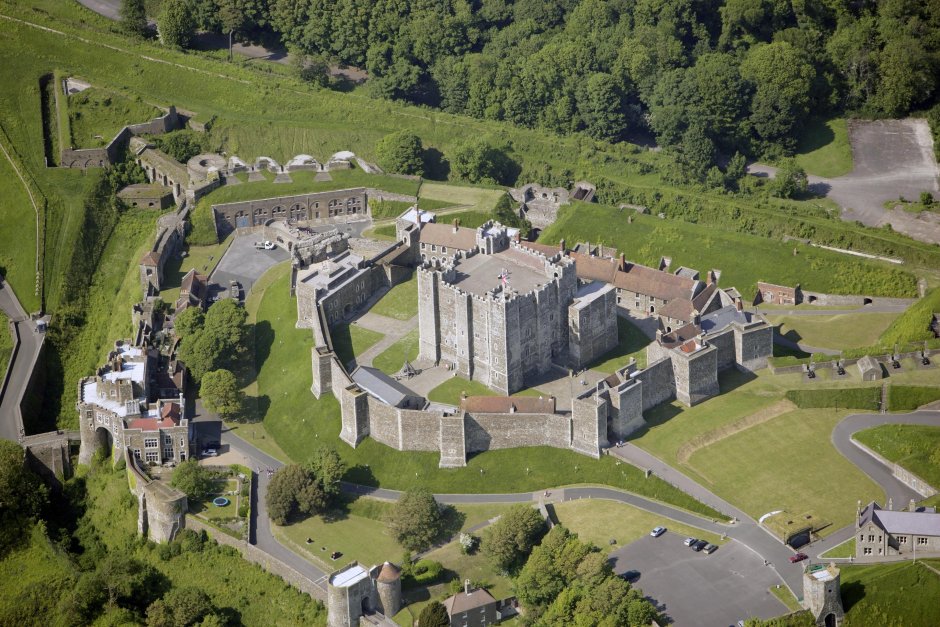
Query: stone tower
{"points": [[821, 595], [388, 586]]}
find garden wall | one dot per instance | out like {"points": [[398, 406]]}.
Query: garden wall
{"points": [[901, 474]]}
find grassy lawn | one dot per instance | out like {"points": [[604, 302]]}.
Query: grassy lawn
{"points": [[473, 567], [631, 342], [473, 198], [392, 358], [96, 115], [890, 595], [203, 259], [823, 149], [401, 302], [787, 463], [786, 597], [837, 332], [6, 344], [598, 521], [17, 237], [450, 391], [350, 340], [646, 238], [846, 549], [915, 447]]}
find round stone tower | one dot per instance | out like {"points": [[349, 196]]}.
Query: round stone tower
{"points": [[821, 595], [388, 586]]}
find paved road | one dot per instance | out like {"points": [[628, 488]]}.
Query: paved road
{"points": [[244, 263], [21, 367], [697, 589]]}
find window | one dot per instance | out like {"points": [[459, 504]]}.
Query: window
{"points": [[902, 539], [152, 456], [137, 453], [867, 550], [921, 541], [861, 538], [443, 249], [168, 441], [871, 538], [182, 442], [434, 248], [150, 443]]}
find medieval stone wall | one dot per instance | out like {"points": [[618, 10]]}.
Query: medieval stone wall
{"points": [[626, 411], [696, 375], [592, 329], [420, 429], [589, 424], [498, 431], [725, 345], [384, 424], [453, 442], [99, 157], [658, 382]]}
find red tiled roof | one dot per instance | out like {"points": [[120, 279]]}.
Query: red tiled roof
{"points": [[150, 259], [594, 268], [444, 235], [662, 285], [504, 404]]}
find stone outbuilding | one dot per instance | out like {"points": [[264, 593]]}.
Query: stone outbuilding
{"points": [[355, 591], [147, 196], [869, 368]]}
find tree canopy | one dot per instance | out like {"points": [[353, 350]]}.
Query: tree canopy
{"points": [[195, 480], [507, 543], [401, 152], [434, 614], [221, 393], [212, 340], [416, 520], [307, 489]]}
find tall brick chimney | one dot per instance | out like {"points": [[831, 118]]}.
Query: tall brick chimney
{"points": [[623, 263]]}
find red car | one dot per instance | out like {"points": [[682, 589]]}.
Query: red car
{"points": [[799, 557]]}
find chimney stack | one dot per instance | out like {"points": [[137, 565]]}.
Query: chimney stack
{"points": [[739, 305], [912, 506], [709, 278], [623, 263]]}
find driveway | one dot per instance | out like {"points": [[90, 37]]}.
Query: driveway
{"points": [[892, 158], [692, 588], [20, 366], [244, 263]]}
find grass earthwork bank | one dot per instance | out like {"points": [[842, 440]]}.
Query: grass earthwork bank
{"points": [[915, 447], [6, 344], [902, 593], [96, 115], [836, 332], [298, 422]]}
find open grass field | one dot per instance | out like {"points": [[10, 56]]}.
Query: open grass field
{"points": [[17, 237], [401, 302], [837, 332], [631, 342], [915, 447], [598, 521], [350, 340], [890, 595], [823, 149], [392, 358], [647, 238], [96, 115], [787, 463], [473, 198]]}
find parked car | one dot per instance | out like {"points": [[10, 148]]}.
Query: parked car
{"points": [[690, 541], [210, 452], [699, 545], [630, 576], [657, 531], [710, 548], [265, 245], [235, 289], [798, 557]]}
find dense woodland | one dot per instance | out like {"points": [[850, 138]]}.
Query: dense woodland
{"points": [[707, 76]]}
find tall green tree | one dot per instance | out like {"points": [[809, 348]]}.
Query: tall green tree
{"points": [[180, 607], [195, 480], [221, 393], [134, 17], [508, 542], [175, 24], [401, 152], [434, 614], [416, 520], [22, 494], [602, 107], [790, 180]]}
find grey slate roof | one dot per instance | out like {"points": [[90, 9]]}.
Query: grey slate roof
{"points": [[380, 385], [718, 320], [903, 523]]}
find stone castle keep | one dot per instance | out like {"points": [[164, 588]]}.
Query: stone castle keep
{"points": [[500, 314], [504, 313]]}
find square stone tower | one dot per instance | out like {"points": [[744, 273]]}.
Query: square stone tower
{"points": [[821, 595]]}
